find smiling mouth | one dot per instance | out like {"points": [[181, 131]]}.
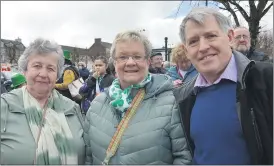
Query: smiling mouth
{"points": [[207, 57], [131, 71]]}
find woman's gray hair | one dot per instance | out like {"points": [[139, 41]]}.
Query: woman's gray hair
{"points": [[42, 47], [131, 36], [199, 15]]}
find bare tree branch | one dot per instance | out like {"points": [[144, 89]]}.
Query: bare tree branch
{"points": [[252, 15], [232, 12], [266, 10], [223, 8], [178, 9], [241, 10], [252, 7], [261, 5]]}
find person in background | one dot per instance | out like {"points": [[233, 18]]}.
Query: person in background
{"points": [[154, 134], [18, 80], [70, 74], [227, 109], [183, 71], [39, 126], [166, 65], [3, 88], [83, 71], [156, 64], [111, 68], [96, 83], [241, 42]]}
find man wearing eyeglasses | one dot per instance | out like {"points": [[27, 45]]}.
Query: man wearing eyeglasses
{"points": [[241, 43]]}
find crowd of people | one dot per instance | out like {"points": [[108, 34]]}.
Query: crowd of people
{"points": [[212, 104]]}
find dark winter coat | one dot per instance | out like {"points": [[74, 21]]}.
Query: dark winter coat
{"points": [[84, 73], [88, 90], [254, 107]]}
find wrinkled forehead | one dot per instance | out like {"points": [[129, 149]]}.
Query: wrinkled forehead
{"points": [[156, 57], [241, 31], [46, 59]]}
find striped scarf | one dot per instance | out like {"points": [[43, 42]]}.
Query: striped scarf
{"points": [[55, 144]]}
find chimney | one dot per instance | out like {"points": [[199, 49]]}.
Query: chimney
{"points": [[98, 40], [18, 40]]}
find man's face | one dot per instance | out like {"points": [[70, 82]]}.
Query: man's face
{"points": [[156, 61], [241, 41], [208, 47]]}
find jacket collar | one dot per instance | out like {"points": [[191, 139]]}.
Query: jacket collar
{"points": [[242, 63], [15, 100], [159, 83]]}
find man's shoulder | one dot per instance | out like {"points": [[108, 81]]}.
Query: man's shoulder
{"points": [[260, 73], [262, 67], [258, 55]]}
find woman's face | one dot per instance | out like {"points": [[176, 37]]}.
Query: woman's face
{"points": [[183, 64], [131, 63], [41, 74], [100, 66]]}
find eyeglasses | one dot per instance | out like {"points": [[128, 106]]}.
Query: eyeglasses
{"points": [[240, 36], [124, 59]]}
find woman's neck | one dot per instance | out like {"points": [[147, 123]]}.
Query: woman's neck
{"points": [[41, 98], [42, 102]]}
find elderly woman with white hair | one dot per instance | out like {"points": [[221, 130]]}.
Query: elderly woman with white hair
{"points": [[135, 121], [38, 124]]}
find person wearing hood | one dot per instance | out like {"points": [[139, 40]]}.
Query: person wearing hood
{"points": [[135, 121], [184, 70], [83, 71]]}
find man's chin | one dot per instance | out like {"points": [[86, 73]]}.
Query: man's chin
{"points": [[243, 50]]}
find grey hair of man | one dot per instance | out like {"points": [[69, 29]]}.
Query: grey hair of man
{"points": [[237, 27], [42, 47], [131, 36], [199, 15], [242, 27]]}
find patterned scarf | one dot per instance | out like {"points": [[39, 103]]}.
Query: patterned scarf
{"points": [[121, 99], [55, 145]]}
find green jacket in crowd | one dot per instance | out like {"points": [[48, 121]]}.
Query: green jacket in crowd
{"points": [[17, 141], [154, 135]]}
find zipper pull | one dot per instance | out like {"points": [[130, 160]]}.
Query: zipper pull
{"points": [[253, 116]]}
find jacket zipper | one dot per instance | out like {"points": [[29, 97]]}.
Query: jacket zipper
{"points": [[187, 141], [255, 127]]}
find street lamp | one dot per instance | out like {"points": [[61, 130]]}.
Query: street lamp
{"points": [[166, 48]]}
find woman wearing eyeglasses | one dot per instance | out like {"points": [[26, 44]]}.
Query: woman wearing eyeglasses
{"points": [[135, 121]]}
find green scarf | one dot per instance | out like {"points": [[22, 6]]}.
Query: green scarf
{"points": [[121, 99], [55, 145]]}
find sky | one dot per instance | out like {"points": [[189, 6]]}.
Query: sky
{"points": [[79, 23]]}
